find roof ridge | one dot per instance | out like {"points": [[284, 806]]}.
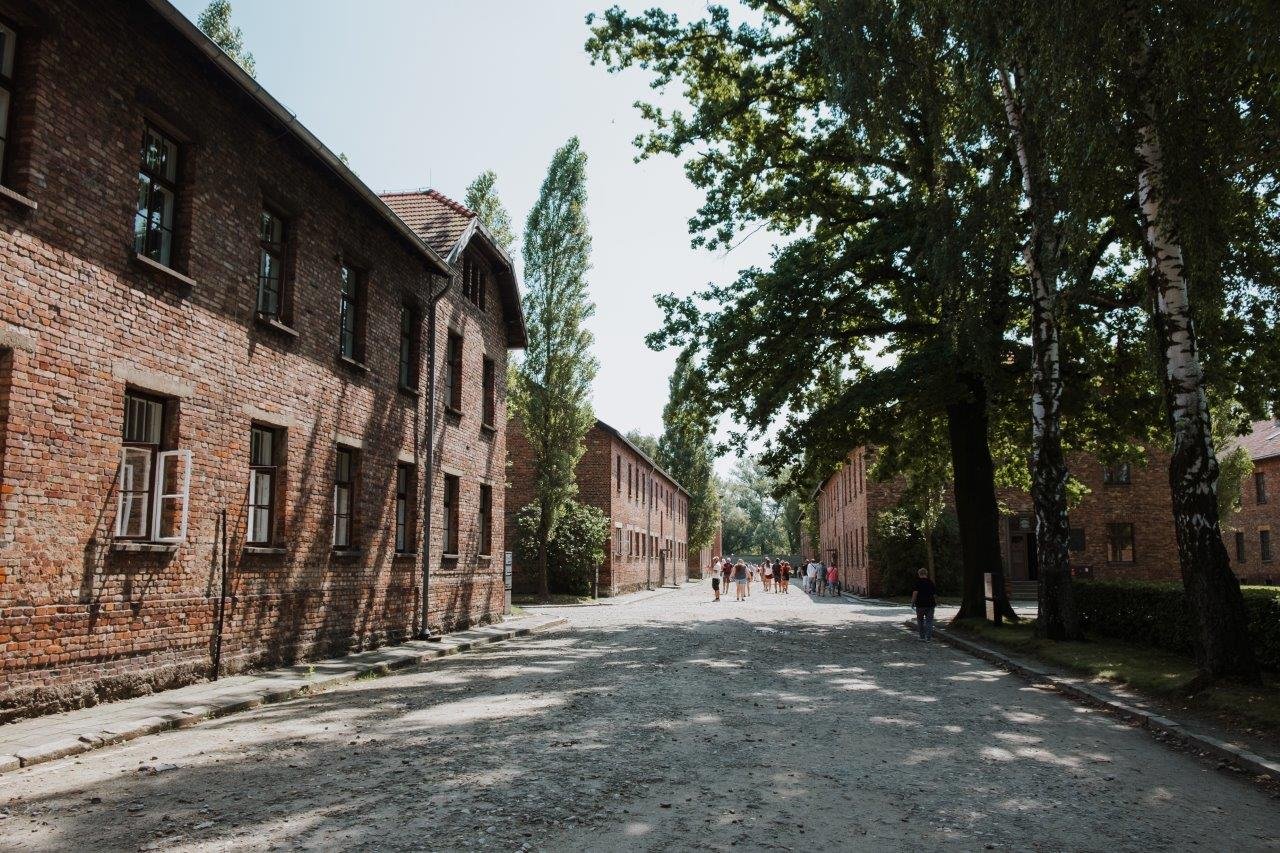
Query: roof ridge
{"points": [[456, 205], [404, 192]]}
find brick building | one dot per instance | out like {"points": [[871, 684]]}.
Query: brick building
{"points": [[646, 508], [204, 312], [1121, 530]]}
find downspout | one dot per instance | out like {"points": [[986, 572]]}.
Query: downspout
{"points": [[424, 628], [648, 531]]}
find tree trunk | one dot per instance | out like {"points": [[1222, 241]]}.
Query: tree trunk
{"points": [[928, 553], [1213, 592], [976, 509], [544, 536], [1056, 605]]}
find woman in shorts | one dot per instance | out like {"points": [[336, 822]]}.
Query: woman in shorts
{"points": [[740, 578]]}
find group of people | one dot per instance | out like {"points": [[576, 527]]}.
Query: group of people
{"points": [[773, 575]]}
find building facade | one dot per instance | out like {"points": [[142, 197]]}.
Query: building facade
{"points": [[700, 562], [1122, 529], [646, 508], [212, 377]]}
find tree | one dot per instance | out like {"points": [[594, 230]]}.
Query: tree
{"points": [[215, 22], [647, 444], [753, 516], [686, 448], [903, 208], [551, 394], [576, 548], [482, 198]]}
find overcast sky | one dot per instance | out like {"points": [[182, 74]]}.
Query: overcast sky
{"points": [[428, 93]]}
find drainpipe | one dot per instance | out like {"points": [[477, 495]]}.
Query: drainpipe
{"points": [[648, 532], [424, 629]]}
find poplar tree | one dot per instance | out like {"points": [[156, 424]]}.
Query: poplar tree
{"points": [[552, 388], [482, 198], [686, 448], [215, 22]]}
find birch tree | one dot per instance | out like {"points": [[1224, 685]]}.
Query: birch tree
{"points": [[551, 392]]}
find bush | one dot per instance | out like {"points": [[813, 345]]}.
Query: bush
{"points": [[575, 550], [1156, 614], [897, 547]]}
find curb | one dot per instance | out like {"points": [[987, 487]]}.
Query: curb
{"points": [[297, 683], [1085, 694]]}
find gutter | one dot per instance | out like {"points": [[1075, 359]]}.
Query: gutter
{"points": [[278, 111]]}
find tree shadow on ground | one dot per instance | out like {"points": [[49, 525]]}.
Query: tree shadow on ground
{"points": [[577, 739]]}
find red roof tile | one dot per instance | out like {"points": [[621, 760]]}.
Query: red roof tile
{"points": [[1262, 440], [438, 219]]}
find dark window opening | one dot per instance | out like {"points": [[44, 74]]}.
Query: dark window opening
{"points": [[450, 515], [409, 334], [272, 234], [344, 478], [490, 392], [485, 519], [453, 373], [264, 447], [406, 481], [153, 224], [1120, 543]]}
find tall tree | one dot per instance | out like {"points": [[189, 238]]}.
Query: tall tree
{"points": [[482, 197], [215, 22], [647, 443], [753, 515], [686, 448], [551, 394]]}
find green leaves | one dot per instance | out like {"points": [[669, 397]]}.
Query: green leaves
{"points": [[483, 199], [215, 22]]}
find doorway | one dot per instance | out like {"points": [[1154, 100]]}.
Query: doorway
{"points": [[1022, 548]]}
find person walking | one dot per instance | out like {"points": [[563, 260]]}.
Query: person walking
{"points": [[726, 569], [740, 579], [924, 599], [766, 574], [715, 578], [811, 576], [784, 575], [833, 580]]}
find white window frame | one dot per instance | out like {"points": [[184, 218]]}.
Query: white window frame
{"points": [[161, 496], [121, 491]]}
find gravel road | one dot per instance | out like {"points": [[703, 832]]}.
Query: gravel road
{"points": [[666, 724]]}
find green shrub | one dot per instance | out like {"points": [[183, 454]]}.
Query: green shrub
{"points": [[575, 550], [1156, 614], [896, 544]]}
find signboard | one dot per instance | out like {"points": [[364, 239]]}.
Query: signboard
{"points": [[989, 595], [506, 570]]}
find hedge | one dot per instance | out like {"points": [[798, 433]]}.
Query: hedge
{"points": [[1156, 614]]}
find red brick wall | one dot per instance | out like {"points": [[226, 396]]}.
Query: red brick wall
{"points": [[1254, 517], [848, 502], [599, 486], [80, 321]]}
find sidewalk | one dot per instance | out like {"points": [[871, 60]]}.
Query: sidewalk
{"points": [[614, 601], [55, 736]]}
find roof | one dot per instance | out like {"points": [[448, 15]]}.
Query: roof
{"points": [[613, 432], [192, 34], [448, 227], [1261, 442], [436, 218]]}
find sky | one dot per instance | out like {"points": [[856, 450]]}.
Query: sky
{"points": [[429, 93]]}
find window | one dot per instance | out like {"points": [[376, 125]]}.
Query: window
{"points": [[351, 314], [617, 540], [1260, 487], [271, 263], [618, 472], [485, 519], [450, 515], [8, 46], [1239, 546], [490, 413], [344, 479], [453, 373], [263, 448], [155, 484], [409, 324], [157, 197], [405, 481], [1075, 539], [629, 489], [1120, 543], [1264, 545], [1117, 475], [473, 282]]}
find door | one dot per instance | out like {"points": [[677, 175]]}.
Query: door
{"points": [[1022, 548]]}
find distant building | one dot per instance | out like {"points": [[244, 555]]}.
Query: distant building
{"points": [[1121, 530], [701, 561], [647, 510]]}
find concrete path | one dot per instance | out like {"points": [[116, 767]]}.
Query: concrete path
{"points": [[668, 724], [40, 739]]}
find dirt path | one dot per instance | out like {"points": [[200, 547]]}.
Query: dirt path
{"points": [[667, 724]]}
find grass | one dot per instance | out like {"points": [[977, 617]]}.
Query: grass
{"points": [[1161, 675], [556, 598]]}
